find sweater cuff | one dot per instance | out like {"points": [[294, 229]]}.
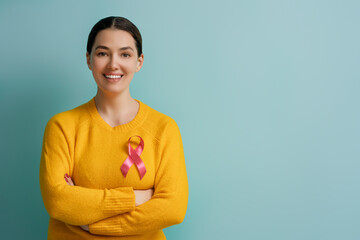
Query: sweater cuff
{"points": [[119, 200], [101, 228]]}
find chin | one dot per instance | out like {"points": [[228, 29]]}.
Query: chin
{"points": [[113, 91]]}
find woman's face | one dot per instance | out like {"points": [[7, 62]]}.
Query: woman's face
{"points": [[114, 60]]}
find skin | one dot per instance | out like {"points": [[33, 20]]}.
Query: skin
{"points": [[114, 53]]}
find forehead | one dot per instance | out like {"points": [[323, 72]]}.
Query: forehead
{"points": [[114, 38]]}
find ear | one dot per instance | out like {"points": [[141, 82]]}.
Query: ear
{"points": [[88, 60], [140, 63]]}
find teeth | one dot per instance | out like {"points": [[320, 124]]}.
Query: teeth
{"points": [[113, 76]]}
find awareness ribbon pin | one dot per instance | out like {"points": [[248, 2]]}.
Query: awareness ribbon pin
{"points": [[134, 157]]}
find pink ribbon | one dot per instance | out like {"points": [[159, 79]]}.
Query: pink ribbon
{"points": [[134, 157]]}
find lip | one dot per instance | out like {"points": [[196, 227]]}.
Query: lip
{"points": [[113, 77]]}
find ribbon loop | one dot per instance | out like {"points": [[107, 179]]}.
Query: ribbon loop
{"points": [[134, 158]]}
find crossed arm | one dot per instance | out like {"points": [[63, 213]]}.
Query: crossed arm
{"points": [[141, 196], [120, 211]]}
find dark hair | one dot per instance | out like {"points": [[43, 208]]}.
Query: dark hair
{"points": [[119, 23]]}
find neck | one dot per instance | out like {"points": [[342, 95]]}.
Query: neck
{"points": [[116, 108]]}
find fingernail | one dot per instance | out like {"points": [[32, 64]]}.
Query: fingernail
{"points": [[66, 175]]}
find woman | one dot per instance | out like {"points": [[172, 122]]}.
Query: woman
{"points": [[123, 161]]}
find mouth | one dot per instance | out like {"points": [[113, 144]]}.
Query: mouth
{"points": [[113, 77]]}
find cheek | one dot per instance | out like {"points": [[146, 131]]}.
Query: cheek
{"points": [[126, 66], [98, 64], [133, 65]]}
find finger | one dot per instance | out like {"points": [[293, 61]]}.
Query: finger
{"points": [[66, 179], [85, 227], [69, 180]]}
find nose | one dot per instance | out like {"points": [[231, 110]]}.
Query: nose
{"points": [[113, 63]]}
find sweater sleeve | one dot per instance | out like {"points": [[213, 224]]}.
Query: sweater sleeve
{"points": [[74, 205], [169, 202]]}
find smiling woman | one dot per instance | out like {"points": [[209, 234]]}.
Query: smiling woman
{"points": [[113, 166], [114, 59]]}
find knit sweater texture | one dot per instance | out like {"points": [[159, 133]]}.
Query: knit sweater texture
{"points": [[80, 143]]}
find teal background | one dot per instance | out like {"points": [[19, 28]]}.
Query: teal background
{"points": [[266, 95]]}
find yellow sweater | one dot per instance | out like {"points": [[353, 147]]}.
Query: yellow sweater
{"points": [[79, 142]]}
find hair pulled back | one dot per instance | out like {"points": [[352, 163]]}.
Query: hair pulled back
{"points": [[119, 23]]}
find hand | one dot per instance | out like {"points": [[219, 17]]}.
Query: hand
{"points": [[70, 182], [142, 196], [85, 227]]}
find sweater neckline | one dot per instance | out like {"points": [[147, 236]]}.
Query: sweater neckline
{"points": [[135, 122]]}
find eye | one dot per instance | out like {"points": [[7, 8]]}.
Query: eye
{"points": [[101, 54], [126, 55]]}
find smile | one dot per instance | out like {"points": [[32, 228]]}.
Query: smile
{"points": [[113, 76]]}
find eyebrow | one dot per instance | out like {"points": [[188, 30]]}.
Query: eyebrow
{"points": [[121, 49]]}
